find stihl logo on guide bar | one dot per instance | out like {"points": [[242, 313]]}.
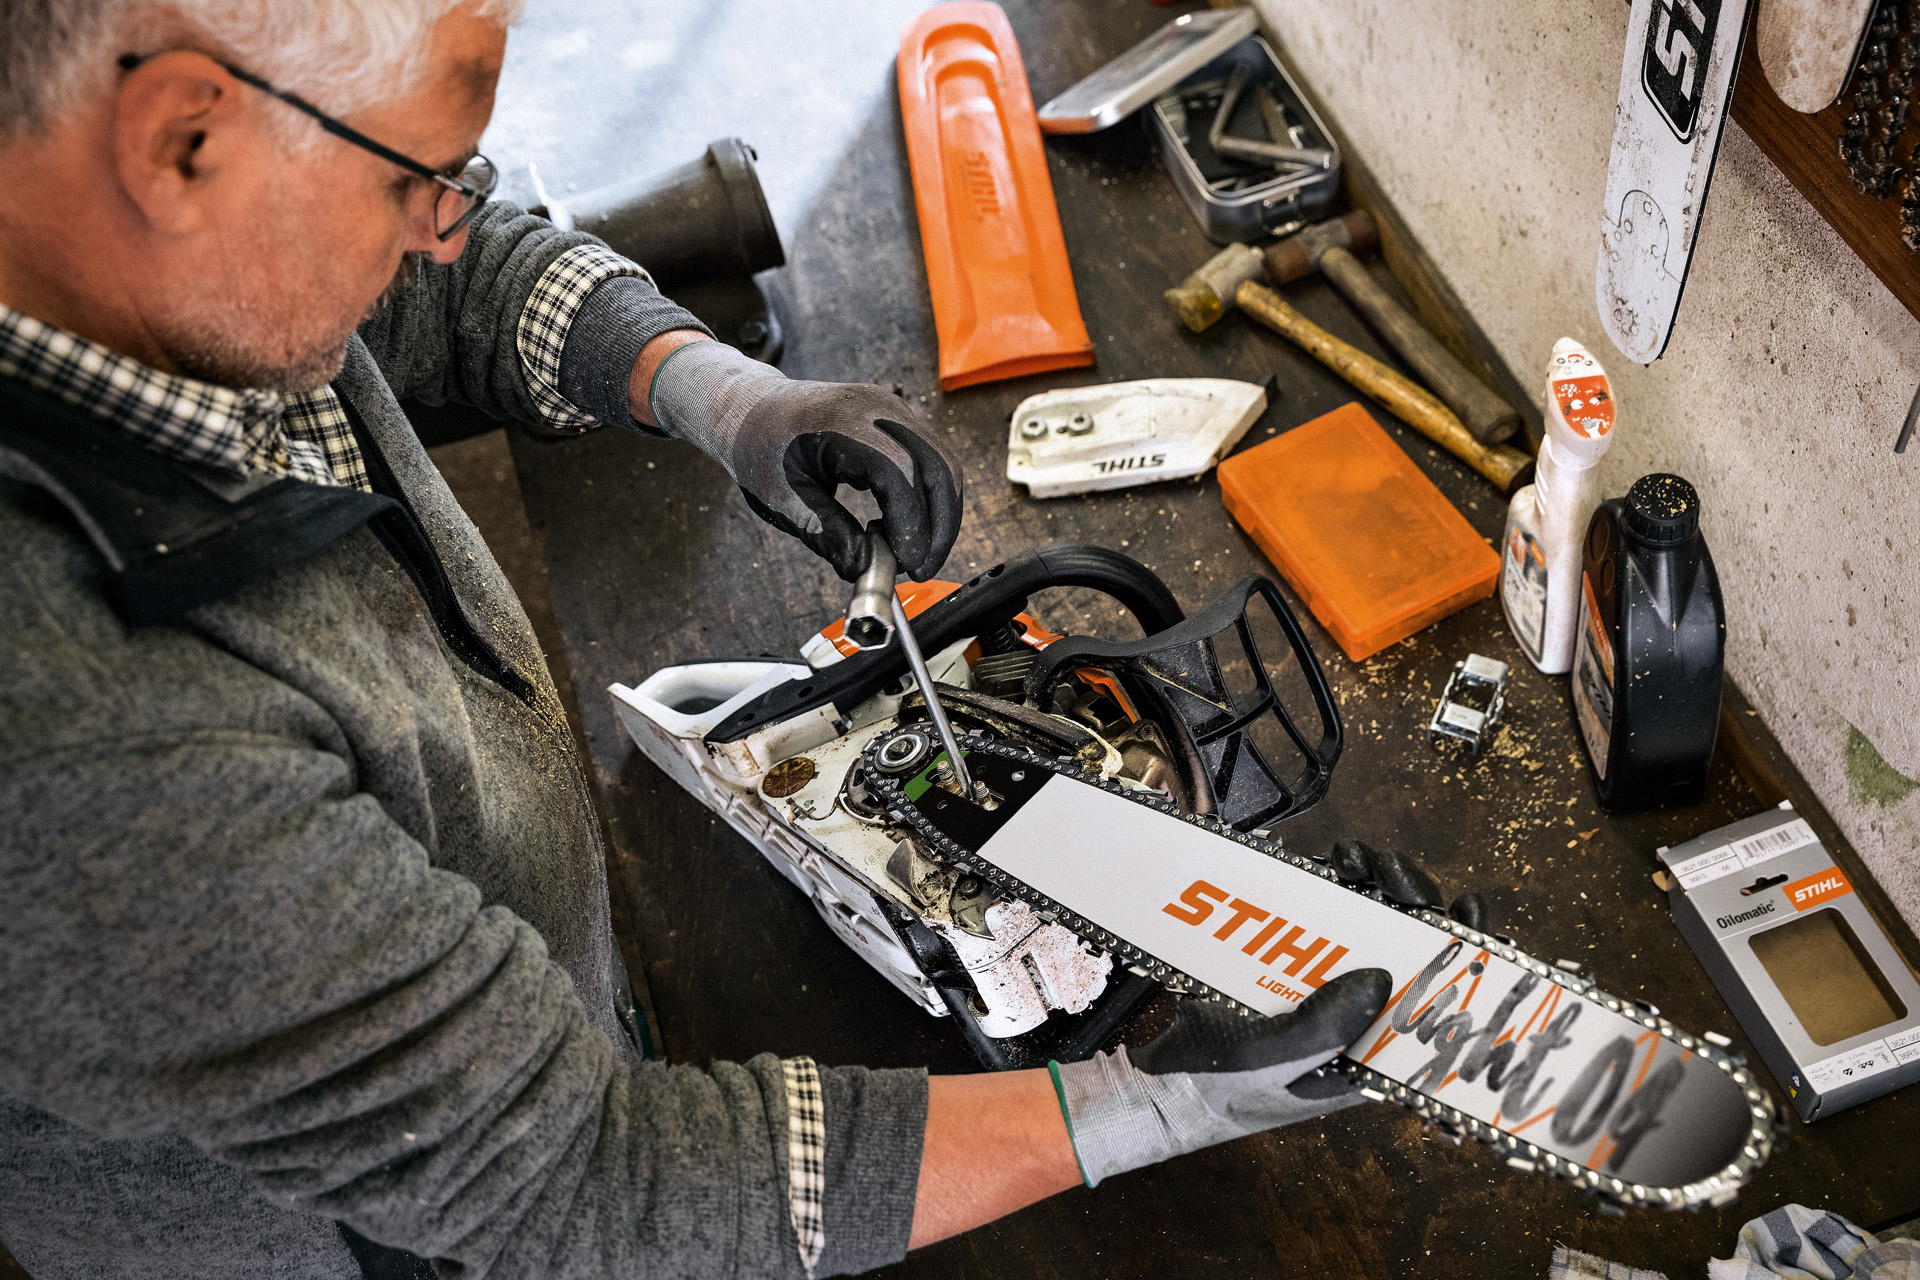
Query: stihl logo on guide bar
{"points": [[1273, 941], [1674, 72]]}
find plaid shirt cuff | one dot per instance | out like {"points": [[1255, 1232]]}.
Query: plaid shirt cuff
{"points": [[806, 1158], [548, 316]]}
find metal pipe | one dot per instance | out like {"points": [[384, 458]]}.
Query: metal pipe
{"points": [[875, 617], [924, 679], [869, 618]]}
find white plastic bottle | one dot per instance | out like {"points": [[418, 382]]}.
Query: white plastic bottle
{"points": [[1540, 565]]}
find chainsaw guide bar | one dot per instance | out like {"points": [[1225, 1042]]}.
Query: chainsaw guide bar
{"points": [[1587, 1087]]}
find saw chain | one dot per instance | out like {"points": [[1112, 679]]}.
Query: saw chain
{"points": [[1693, 1135]]}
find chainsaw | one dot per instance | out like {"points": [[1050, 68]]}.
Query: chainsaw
{"points": [[1033, 833]]}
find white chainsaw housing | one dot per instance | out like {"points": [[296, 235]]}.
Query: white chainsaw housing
{"points": [[1024, 968], [1086, 439]]}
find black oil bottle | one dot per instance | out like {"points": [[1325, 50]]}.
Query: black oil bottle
{"points": [[1647, 658]]}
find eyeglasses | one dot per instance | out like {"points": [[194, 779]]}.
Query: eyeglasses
{"points": [[455, 204]]}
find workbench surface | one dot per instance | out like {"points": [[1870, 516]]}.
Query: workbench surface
{"points": [[654, 559]]}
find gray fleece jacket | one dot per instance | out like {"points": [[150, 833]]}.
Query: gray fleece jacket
{"points": [[303, 914]]}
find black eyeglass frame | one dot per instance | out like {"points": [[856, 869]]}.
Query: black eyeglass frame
{"points": [[475, 193]]}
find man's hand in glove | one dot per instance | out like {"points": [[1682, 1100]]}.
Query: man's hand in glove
{"points": [[1216, 1075], [791, 445]]}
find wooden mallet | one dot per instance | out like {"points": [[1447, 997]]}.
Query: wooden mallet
{"points": [[1329, 248], [1414, 405]]}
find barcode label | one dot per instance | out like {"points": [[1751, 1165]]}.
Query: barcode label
{"points": [[1702, 867], [1749, 851], [1785, 838]]}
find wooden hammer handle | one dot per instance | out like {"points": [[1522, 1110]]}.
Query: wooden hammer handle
{"points": [[1488, 417], [1413, 405]]}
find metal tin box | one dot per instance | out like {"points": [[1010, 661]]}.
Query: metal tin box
{"points": [[1147, 70], [1235, 201]]}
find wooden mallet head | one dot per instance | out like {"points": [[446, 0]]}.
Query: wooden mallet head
{"points": [[1206, 295]]}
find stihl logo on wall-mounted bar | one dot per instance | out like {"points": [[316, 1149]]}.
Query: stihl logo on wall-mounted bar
{"points": [[1674, 70], [1273, 941], [1817, 888]]}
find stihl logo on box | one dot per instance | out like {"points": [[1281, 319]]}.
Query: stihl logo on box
{"points": [[1200, 899], [1817, 888], [1674, 72]]}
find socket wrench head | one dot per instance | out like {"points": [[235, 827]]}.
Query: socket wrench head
{"points": [[870, 615]]}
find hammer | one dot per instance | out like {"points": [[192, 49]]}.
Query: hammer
{"points": [[1329, 247], [1413, 404]]}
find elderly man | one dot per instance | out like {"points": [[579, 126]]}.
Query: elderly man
{"points": [[305, 965]]}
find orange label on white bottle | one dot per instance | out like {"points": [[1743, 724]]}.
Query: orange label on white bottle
{"points": [[1586, 403]]}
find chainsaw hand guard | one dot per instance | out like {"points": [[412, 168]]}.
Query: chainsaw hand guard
{"points": [[1259, 762]]}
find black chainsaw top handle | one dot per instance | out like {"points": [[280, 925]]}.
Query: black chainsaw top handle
{"points": [[988, 598]]}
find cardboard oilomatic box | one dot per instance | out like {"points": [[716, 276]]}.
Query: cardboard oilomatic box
{"points": [[1818, 986]]}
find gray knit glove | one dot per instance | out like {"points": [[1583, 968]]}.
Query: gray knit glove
{"points": [[790, 445], [1216, 1074]]}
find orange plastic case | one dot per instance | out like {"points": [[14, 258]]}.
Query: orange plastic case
{"points": [[1375, 550], [1003, 297]]}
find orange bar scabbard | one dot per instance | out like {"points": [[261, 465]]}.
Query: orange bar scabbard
{"points": [[1003, 297]]}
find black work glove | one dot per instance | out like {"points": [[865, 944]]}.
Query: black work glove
{"points": [[1400, 879], [791, 445], [1215, 1075]]}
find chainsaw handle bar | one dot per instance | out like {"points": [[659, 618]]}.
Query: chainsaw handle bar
{"points": [[1202, 631], [993, 596]]}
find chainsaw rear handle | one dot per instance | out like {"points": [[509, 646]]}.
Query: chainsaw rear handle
{"points": [[992, 597]]}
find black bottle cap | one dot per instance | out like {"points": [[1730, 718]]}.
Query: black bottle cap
{"points": [[1662, 510]]}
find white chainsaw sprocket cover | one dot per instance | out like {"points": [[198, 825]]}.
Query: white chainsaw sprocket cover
{"points": [[1086, 439]]}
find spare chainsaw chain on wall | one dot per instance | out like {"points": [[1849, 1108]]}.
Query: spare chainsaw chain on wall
{"points": [[1721, 1188], [1883, 83]]}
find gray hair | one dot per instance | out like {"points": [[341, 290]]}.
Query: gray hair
{"points": [[341, 55]]}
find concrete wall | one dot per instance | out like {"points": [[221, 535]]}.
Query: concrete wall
{"points": [[1488, 122]]}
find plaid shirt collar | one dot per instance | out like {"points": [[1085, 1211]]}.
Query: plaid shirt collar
{"points": [[305, 436], [247, 432]]}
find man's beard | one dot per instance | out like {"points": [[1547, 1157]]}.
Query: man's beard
{"points": [[225, 360], [404, 278]]}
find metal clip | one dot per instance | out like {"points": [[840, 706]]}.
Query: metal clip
{"points": [[1471, 704]]}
